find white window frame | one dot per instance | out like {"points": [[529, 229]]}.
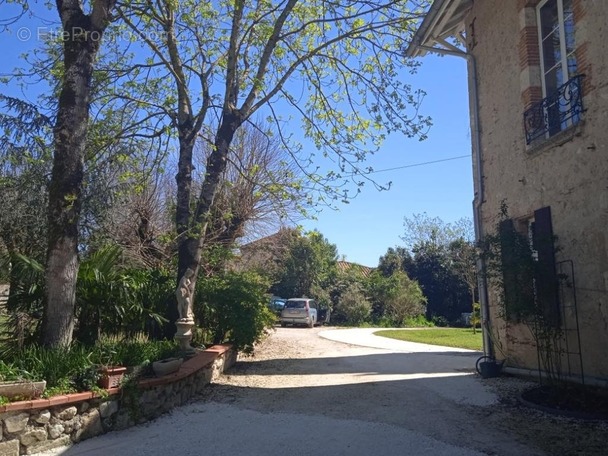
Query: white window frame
{"points": [[562, 43]]}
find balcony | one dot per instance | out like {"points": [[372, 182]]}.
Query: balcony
{"points": [[555, 113]]}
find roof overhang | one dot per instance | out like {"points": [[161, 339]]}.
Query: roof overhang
{"points": [[444, 19]]}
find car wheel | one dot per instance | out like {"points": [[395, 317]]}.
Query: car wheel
{"points": [[283, 324], [312, 323]]}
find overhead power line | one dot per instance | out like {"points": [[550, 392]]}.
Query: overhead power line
{"points": [[419, 164]]}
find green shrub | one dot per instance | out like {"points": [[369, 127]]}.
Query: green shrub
{"points": [[73, 369], [63, 386], [382, 322], [403, 298], [232, 307], [22, 323], [440, 320], [352, 308], [125, 352], [9, 372], [418, 321], [112, 299], [86, 378], [56, 366]]}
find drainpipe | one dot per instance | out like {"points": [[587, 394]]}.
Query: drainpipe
{"points": [[488, 348], [482, 283]]}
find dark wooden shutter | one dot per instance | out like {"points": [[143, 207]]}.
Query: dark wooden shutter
{"points": [[517, 271], [547, 285]]}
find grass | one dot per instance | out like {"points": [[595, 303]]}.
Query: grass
{"points": [[446, 337]]}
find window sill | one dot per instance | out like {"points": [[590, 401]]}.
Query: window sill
{"points": [[541, 145]]}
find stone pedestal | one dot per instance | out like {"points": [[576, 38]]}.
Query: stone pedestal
{"points": [[184, 336]]}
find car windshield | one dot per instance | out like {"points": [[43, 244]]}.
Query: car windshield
{"points": [[295, 305]]}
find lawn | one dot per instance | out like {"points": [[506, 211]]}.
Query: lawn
{"points": [[447, 337]]}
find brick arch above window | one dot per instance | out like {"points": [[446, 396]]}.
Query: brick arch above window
{"points": [[529, 52], [543, 65]]}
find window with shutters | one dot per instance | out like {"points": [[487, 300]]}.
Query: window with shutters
{"points": [[530, 279]]}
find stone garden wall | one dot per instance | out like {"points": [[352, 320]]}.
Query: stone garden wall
{"points": [[34, 426]]}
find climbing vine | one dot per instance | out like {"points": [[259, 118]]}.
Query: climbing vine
{"points": [[516, 276]]}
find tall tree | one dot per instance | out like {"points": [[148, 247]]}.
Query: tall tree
{"points": [[81, 41], [440, 257], [447, 295], [260, 190], [395, 259], [309, 266], [335, 64], [422, 229], [464, 262], [25, 153]]}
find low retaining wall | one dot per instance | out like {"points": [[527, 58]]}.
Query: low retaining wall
{"points": [[34, 426]]}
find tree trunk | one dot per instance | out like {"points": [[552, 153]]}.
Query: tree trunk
{"points": [[80, 45], [191, 241]]}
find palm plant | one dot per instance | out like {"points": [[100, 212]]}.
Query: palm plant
{"points": [[112, 299], [25, 304]]}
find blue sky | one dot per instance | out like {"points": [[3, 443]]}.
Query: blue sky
{"points": [[364, 229]]}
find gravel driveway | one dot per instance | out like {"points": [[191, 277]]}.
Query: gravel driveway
{"points": [[312, 391]]}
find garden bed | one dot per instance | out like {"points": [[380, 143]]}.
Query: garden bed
{"points": [[572, 400], [38, 425]]}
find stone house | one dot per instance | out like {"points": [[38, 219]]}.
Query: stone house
{"points": [[538, 96]]}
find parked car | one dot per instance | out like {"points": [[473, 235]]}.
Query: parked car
{"points": [[323, 314], [304, 311], [299, 311], [276, 305]]}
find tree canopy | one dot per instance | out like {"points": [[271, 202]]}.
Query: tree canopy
{"points": [[327, 78], [441, 257]]}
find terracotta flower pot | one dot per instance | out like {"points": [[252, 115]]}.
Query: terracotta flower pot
{"points": [[111, 376]]}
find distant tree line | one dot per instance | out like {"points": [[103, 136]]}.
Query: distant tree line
{"points": [[441, 257], [430, 279]]}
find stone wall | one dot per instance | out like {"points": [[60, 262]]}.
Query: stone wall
{"points": [[29, 427]]}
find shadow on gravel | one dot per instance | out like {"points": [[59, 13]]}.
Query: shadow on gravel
{"points": [[451, 408], [385, 364]]}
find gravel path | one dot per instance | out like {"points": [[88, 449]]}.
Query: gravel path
{"points": [[303, 393]]}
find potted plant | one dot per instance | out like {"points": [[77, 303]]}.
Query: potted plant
{"points": [[110, 373], [111, 376], [17, 383]]}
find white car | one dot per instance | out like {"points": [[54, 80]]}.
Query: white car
{"points": [[299, 311]]}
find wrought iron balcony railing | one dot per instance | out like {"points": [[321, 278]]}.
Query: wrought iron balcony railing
{"points": [[556, 112]]}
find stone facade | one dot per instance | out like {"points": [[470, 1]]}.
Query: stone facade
{"points": [[567, 172], [40, 425], [540, 152]]}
